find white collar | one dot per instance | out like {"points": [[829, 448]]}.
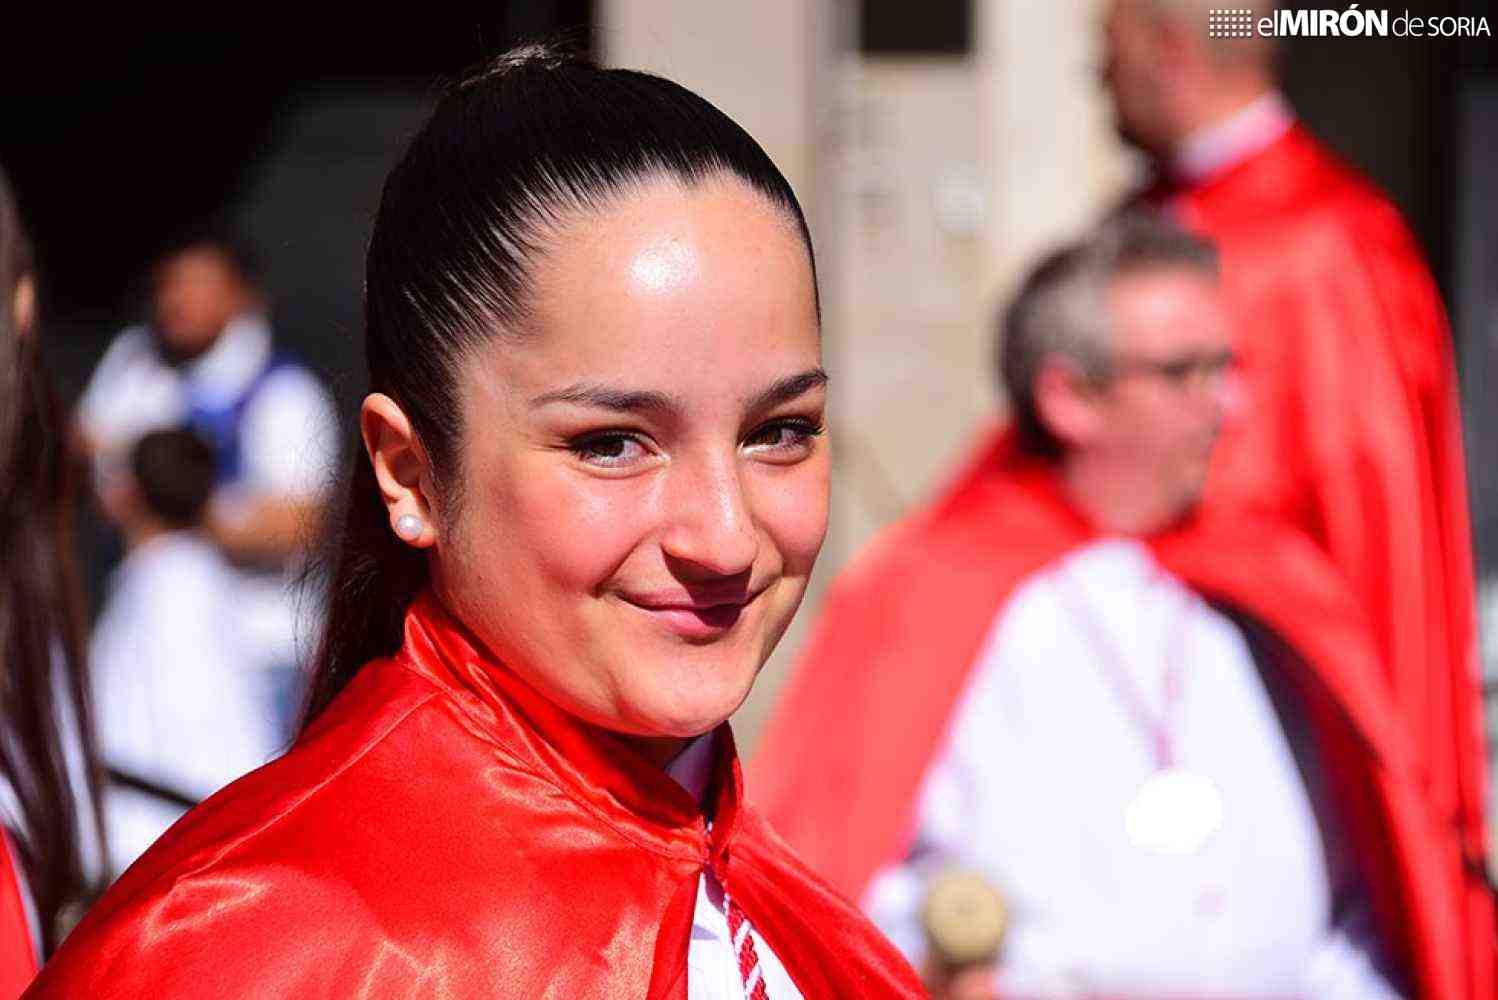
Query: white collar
{"points": [[167, 545], [1247, 131], [239, 354], [1116, 562], [693, 766]]}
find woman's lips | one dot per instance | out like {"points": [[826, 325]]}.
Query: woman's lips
{"points": [[694, 620]]}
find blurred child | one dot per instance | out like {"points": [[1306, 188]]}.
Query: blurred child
{"points": [[183, 703]]}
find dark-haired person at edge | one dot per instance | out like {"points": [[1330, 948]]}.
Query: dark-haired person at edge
{"points": [[1348, 421], [50, 840], [594, 484], [174, 681], [1158, 733]]}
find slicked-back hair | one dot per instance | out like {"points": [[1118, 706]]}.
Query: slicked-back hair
{"points": [[516, 152], [1061, 309]]}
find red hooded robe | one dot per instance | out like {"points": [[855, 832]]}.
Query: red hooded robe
{"points": [[1350, 431], [17, 952], [843, 758], [442, 830]]}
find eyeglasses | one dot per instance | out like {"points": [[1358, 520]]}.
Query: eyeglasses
{"points": [[1193, 370]]}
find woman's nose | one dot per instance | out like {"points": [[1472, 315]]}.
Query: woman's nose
{"points": [[712, 526]]}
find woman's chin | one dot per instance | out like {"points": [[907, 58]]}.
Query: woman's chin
{"points": [[693, 710], [687, 722], [692, 689]]}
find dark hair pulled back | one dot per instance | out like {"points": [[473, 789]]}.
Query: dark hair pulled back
{"points": [[45, 721], [514, 151]]}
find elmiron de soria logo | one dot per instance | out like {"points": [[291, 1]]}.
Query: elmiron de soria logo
{"points": [[1353, 22]]}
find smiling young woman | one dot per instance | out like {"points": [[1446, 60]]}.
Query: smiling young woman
{"points": [[593, 486]]}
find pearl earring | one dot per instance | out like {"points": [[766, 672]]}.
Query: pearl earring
{"points": [[408, 527]]}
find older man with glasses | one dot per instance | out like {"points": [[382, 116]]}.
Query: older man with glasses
{"points": [[1154, 738]]}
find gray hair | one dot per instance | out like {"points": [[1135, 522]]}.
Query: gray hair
{"points": [[1062, 308]]}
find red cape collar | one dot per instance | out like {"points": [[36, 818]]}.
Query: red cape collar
{"points": [[1276, 175], [596, 768]]}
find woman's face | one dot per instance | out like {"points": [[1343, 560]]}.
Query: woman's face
{"points": [[644, 475]]}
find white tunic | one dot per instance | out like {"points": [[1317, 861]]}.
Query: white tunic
{"points": [[1042, 761], [70, 738], [712, 962], [180, 696]]}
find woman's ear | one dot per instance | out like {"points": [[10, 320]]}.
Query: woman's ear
{"points": [[401, 469]]}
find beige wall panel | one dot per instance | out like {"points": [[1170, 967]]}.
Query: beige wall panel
{"points": [[753, 60]]}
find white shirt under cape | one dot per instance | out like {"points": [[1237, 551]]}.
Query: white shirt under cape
{"points": [[70, 738], [712, 960], [1040, 764]]}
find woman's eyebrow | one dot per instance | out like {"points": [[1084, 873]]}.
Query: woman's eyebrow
{"points": [[618, 400], [608, 398], [786, 389]]}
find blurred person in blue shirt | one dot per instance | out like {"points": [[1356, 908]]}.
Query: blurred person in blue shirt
{"points": [[207, 361]]}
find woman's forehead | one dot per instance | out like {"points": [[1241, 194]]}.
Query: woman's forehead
{"points": [[664, 240], [671, 288]]}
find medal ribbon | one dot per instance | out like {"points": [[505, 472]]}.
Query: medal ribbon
{"points": [[1111, 661]]}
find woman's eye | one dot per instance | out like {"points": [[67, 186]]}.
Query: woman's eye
{"points": [[784, 436], [609, 450]]}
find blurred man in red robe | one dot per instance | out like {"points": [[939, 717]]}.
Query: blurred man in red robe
{"points": [[1159, 729], [1347, 423]]}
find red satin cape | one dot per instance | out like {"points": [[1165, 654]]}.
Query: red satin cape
{"points": [[1350, 430], [844, 754], [443, 830], [17, 950]]}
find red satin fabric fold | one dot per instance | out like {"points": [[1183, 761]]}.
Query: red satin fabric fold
{"points": [[17, 947], [844, 755], [443, 830]]}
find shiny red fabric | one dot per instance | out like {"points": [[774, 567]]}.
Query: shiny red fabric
{"points": [[1350, 430], [444, 831], [844, 755], [17, 950]]}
